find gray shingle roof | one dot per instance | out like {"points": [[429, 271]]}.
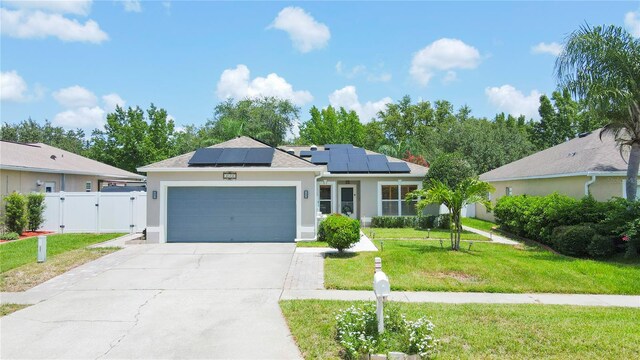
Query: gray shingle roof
{"points": [[280, 158], [579, 155], [44, 158]]}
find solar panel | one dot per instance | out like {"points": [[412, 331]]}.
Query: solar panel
{"points": [[206, 156], [338, 167], [357, 158], [233, 156], [306, 153], [320, 157], [378, 167], [358, 167], [376, 158], [356, 151], [259, 156], [399, 167], [338, 157]]}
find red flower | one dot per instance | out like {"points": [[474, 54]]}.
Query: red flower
{"points": [[625, 238]]}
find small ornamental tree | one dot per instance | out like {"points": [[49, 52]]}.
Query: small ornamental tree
{"points": [[15, 213], [416, 159], [35, 210]]}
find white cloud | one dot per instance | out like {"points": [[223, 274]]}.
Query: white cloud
{"points": [[75, 96], [450, 77], [132, 5], [82, 117], [443, 54], [382, 77], [347, 97], [304, 31], [511, 100], [632, 22], [12, 86], [552, 48], [111, 101], [26, 24], [372, 76], [236, 83], [167, 6], [77, 7]]}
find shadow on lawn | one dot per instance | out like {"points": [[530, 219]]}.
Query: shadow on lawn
{"points": [[343, 255]]}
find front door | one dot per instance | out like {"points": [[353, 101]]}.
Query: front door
{"points": [[347, 201]]}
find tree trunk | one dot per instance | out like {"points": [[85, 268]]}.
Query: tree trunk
{"points": [[453, 245], [632, 172]]}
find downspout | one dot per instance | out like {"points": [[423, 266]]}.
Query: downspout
{"points": [[589, 183]]}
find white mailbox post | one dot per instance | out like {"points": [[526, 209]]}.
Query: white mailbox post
{"points": [[382, 290], [42, 248]]}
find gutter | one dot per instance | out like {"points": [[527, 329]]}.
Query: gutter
{"points": [[589, 183]]}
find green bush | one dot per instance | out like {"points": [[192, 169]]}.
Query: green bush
{"points": [[340, 232], [601, 246], [418, 222], [35, 211], [15, 212], [9, 236], [573, 240]]}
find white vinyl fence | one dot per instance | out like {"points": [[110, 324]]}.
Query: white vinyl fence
{"points": [[467, 211], [97, 212]]}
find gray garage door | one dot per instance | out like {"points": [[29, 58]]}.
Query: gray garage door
{"points": [[231, 214]]}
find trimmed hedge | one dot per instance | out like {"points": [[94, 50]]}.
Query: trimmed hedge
{"points": [[9, 236], [340, 232], [573, 227], [417, 222]]}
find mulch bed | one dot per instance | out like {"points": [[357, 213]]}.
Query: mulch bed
{"points": [[29, 234]]}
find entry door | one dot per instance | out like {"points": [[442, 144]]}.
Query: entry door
{"points": [[347, 201]]}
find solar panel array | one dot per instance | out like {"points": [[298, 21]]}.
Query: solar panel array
{"points": [[346, 159], [232, 157]]}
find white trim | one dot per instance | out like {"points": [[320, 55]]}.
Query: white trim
{"points": [[223, 169], [552, 176], [333, 196], [310, 229], [69, 172], [398, 183], [164, 185], [355, 213]]}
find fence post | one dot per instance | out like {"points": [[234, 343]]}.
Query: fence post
{"points": [[61, 204], [97, 196]]}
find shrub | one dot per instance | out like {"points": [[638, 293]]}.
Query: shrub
{"points": [[632, 238], [35, 210], [601, 246], [340, 232], [15, 213], [357, 333], [573, 240], [419, 222], [9, 236]]}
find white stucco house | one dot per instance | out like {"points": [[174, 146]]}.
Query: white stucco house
{"points": [[243, 190]]}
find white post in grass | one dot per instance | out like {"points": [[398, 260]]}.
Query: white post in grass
{"points": [[42, 248], [382, 290]]}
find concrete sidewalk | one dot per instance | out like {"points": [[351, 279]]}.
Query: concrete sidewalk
{"points": [[495, 238], [364, 245], [468, 297]]}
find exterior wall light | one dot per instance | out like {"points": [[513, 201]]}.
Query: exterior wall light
{"points": [[306, 194], [154, 194]]}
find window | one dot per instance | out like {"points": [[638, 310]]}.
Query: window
{"points": [[392, 200], [49, 187], [87, 186], [325, 203], [508, 191]]}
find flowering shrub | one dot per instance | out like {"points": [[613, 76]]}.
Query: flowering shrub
{"points": [[357, 333], [416, 159]]}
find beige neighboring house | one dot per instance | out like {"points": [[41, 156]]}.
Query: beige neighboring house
{"points": [[39, 167], [578, 167], [243, 190]]}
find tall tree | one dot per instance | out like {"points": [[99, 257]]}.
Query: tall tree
{"points": [[30, 131], [332, 126], [602, 66]]}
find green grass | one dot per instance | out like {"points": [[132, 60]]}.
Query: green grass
{"points": [[488, 331], [312, 244], [21, 252], [6, 309], [479, 224], [410, 233], [425, 266]]}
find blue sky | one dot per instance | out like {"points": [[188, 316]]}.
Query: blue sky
{"points": [[72, 61]]}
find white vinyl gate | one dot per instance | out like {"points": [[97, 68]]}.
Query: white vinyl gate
{"points": [[95, 212]]}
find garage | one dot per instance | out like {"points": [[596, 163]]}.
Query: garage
{"points": [[231, 214]]}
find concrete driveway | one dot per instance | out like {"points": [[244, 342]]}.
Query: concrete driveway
{"points": [[187, 301]]}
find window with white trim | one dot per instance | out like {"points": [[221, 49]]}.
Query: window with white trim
{"points": [[508, 191], [325, 203], [87, 186], [393, 200]]}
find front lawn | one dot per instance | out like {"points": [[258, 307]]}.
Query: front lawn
{"points": [[482, 331], [425, 266], [21, 252], [312, 244], [479, 224], [411, 233], [6, 309]]}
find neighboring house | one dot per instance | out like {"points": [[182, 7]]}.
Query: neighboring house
{"points": [[578, 167], [243, 190], [39, 167]]}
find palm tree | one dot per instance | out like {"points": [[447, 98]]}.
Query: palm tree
{"points": [[468, 191], [602, 66]]}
